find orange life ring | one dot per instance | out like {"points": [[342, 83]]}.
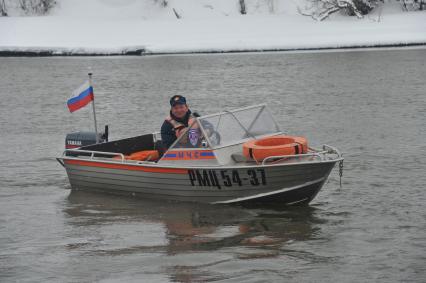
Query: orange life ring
{"points": [[275, 146]]}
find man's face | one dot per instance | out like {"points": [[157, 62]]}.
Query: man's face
{"points": [[179, 110]]}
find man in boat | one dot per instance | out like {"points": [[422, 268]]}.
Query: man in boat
{"points": [[176, 123]]}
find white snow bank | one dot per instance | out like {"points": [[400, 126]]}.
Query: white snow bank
{"points": [[78, 26]]}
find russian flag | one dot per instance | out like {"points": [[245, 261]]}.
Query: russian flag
{"points": [[81, 97]]}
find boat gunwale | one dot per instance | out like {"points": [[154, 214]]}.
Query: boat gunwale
{"points": [[213, 167]]}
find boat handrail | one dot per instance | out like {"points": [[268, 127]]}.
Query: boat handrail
{"points": [[317, 154], [93, 153], [326, 149]]}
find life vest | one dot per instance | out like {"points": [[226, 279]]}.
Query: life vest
{"points": [[178, 126]]}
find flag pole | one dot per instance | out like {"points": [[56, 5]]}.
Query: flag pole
{"points": [[93, 107]]}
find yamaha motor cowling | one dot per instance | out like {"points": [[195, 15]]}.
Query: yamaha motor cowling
{"points": [[79, 139]]}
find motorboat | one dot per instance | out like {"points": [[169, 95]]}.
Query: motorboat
{"points": [[238, 156]]}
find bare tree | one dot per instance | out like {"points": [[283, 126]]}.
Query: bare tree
{"points": [[243, 10], [176, 14], [36, 7], [322, 9], [3, 10], [413, 5], [270, 4], [163, 3]]}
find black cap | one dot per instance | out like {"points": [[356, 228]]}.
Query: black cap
{"points": [[177, 99]]}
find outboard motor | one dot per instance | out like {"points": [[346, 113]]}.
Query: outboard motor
{"points": [[79, 139]]}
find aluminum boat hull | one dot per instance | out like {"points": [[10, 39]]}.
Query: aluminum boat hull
{"points": [[295, 183]]}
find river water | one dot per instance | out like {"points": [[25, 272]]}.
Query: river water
{"points": [[369, 104]]}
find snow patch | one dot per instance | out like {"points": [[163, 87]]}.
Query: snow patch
{"points": [[132, 26]]}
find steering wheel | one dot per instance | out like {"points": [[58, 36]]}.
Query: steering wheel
{"points": [[214, 137], [212, 134]]}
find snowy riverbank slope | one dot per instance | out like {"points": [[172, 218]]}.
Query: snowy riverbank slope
{"points": [[116, 26]]}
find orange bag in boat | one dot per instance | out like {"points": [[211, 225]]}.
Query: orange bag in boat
{"points": [[144, 155], [275, 146]]}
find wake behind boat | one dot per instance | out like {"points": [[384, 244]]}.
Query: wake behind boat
{"points": [[237, 156]]}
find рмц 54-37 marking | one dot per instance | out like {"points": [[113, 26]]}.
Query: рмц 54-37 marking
{"points": [[226, 178]]}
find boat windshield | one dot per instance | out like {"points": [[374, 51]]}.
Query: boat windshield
{"points": [[229, 128]]}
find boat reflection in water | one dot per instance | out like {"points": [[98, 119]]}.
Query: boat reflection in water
{"points": [[125, 226]]}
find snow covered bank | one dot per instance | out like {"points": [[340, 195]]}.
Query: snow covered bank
{"points": [[68, 31]]}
